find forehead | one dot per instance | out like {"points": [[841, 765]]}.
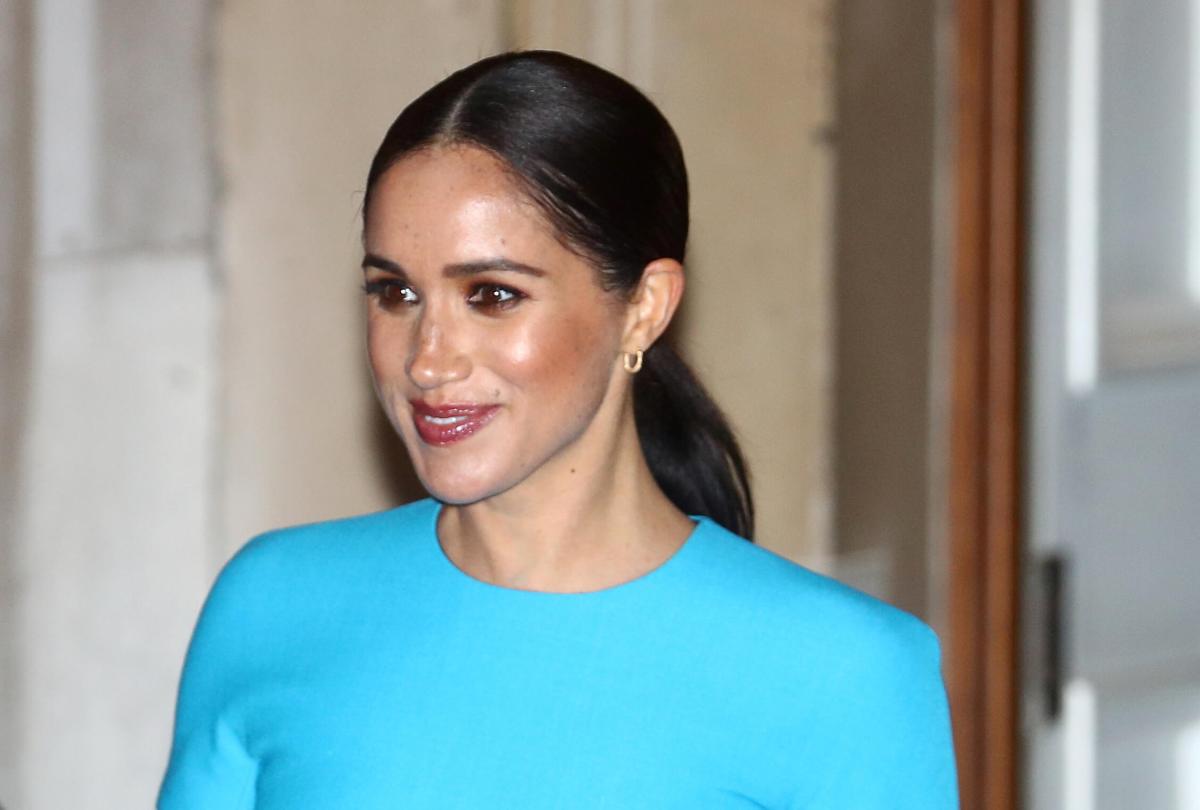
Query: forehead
{"points": [[453, 195]]}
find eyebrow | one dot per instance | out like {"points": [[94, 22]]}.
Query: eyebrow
{"points": [[458, 269], [387, 265]]}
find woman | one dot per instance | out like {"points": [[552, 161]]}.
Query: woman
{"points": [[572, 620]]}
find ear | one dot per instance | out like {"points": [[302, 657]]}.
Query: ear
{"points": [[653, 304]]}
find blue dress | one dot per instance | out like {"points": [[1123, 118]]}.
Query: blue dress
{"points": [[350, 664]]}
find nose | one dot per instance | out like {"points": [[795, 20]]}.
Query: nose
{"points": [[435, 360]]}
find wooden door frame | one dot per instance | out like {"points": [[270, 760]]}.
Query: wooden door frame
{"points": [[985, 430]]}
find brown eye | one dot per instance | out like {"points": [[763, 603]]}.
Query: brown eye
{"points": [[494, 296], [389, 293]]}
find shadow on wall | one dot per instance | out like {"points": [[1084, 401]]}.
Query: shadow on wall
{"points": [[391, 460]]}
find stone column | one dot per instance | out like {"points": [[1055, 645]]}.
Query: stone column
{"points": [[113, 544]]}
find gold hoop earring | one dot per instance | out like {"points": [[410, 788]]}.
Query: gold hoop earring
{"points": [[634, 366]]}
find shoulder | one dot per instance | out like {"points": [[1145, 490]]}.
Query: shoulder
{"points": [[298, 559], [862, 677], [329, 540], [286, 590], [826, 622]]}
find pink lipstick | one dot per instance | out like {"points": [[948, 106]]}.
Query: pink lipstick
{"points": [[441, 425]]}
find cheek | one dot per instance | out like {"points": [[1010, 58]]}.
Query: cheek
{"points": [[565, 357]]}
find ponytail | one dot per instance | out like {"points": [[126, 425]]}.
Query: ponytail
{"points": [[688, 443]]}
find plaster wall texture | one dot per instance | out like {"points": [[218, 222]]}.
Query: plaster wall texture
{"points": [[306, 93], [891, 311], [114, 558], [111, 547], [749, 88]]}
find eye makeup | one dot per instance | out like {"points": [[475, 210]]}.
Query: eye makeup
{"points": [[485, 296], [389, 293], [491, 296]]}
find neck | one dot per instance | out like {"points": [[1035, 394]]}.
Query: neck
{"points": [[572, 526]]}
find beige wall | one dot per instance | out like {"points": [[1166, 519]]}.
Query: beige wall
{"points": [[109, 540], [306, 91], [891, 311], [749, 88]]}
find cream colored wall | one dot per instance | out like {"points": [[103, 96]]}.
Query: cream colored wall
{"points": [[749, 89], [109, 550], [892, 305], [306, 90]]}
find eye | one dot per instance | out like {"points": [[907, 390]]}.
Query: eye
{"points": [[494, 296], [390, 293]]}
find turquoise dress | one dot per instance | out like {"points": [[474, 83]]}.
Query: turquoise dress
{"points": [[350, 664]]}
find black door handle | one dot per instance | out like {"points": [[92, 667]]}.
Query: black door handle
{"points": [[1054, 586]]}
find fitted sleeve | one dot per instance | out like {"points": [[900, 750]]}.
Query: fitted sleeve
{"points": [[892, 745], [209, 766]]}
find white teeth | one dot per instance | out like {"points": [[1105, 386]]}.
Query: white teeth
{"points": [[445, 420]]}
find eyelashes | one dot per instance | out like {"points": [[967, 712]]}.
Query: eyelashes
{"points": [[389, 293], [494, 296], [393, 294]]}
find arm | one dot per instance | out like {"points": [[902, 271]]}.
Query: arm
{"points": [[209, 765]]}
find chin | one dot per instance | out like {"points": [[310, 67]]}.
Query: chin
{"points": [[458, 488]]}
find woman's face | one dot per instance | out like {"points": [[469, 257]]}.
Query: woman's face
{"points": [[492, 346]]}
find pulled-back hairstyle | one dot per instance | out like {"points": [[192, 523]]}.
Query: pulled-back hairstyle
{"points": [[605, 168]]}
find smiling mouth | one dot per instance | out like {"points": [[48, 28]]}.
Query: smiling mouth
{"points": [[441, 425]]}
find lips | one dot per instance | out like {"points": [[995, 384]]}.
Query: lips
{"points": [[441, 425]]}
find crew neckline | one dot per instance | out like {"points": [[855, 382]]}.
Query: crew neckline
{"points": [[448, 568]]}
